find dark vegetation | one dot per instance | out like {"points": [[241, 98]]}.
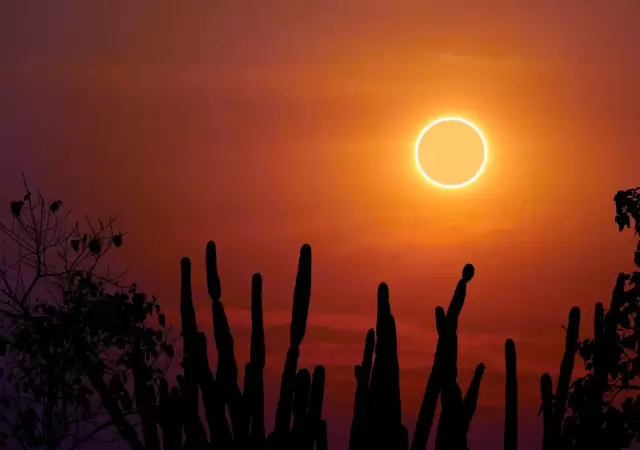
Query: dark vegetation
{"points": [[85, 358]]}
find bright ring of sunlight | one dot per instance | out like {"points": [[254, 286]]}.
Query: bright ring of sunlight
{"points": [[451, 152]]}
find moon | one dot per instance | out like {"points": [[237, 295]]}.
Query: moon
{"points": [[451, 152]]}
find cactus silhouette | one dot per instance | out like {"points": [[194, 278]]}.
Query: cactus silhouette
{"points": [[299, 395], [580, 414], [176, 410], [377, 416], [377, 420], [511, 397], [554, 405]]}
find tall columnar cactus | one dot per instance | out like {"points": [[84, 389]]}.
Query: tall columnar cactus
{"points": [[198, 376], [360, 422], [301, 394], [227, 370], [169, 416], [511, 398], [554, 405], [301, 298], [257, 360], [306, 429], [376, 415], [456, 411], [377, 419]]}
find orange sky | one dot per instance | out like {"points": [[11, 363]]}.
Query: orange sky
{"points": [[264, 125]]}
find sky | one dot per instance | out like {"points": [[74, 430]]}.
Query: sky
{"points": [[266, 125]]}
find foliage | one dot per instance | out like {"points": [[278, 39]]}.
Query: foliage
{"points": [[74, 333], [598, 415], [627, 208]]}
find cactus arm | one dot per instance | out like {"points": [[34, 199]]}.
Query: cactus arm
{"points": [[470, 402], [511, 397], [360, 403], [257, 362], [300, 312], [549, 438], [227, 371]]}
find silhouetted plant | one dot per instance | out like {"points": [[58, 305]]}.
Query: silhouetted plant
{"points": [[628, 208], [377, 421], [587, 413], [301, 395], [73, 334], [554, 406]]}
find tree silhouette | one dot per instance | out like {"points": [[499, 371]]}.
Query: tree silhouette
{"points": [[82, 358], [587, 413], [597, 417], [75, 339]]}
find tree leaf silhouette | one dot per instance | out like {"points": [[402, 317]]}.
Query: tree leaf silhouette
{"points": [[16, 207]]}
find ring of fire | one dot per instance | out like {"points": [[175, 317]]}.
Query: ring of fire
{"points": [[479, 171]]}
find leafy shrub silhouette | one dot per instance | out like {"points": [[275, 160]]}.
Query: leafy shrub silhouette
{"points": [[597, 419], [73, 334], [88, 355]]}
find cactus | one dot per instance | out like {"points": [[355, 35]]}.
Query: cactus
{"points": [[554, 405], [454, 421], [169, 416], [384, 397], [307, 409], [511, 397], [377, 423], [197, 374], [227, 370], [359, 424], [282, 435], [471, 397], [257, 360], [300, 394], [376, 418], [176, 410]]}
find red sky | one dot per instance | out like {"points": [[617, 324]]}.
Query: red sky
{"points": [[264, 125]]}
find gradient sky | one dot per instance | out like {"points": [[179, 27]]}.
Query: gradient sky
{"points": [[264, 125]]}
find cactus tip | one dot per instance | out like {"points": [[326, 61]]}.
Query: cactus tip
{"points": [[211, 250], [468, 272], [305, 251]]}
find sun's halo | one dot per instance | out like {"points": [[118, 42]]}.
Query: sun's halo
{"points": [[451, 151]]}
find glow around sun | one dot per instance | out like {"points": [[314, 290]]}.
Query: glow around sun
{"points": [[451, 152]]}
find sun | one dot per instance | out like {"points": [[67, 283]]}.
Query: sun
{"points": [[451, 152]]}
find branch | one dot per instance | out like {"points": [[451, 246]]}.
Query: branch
{"points": [[13, 429], [80, 441]]}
